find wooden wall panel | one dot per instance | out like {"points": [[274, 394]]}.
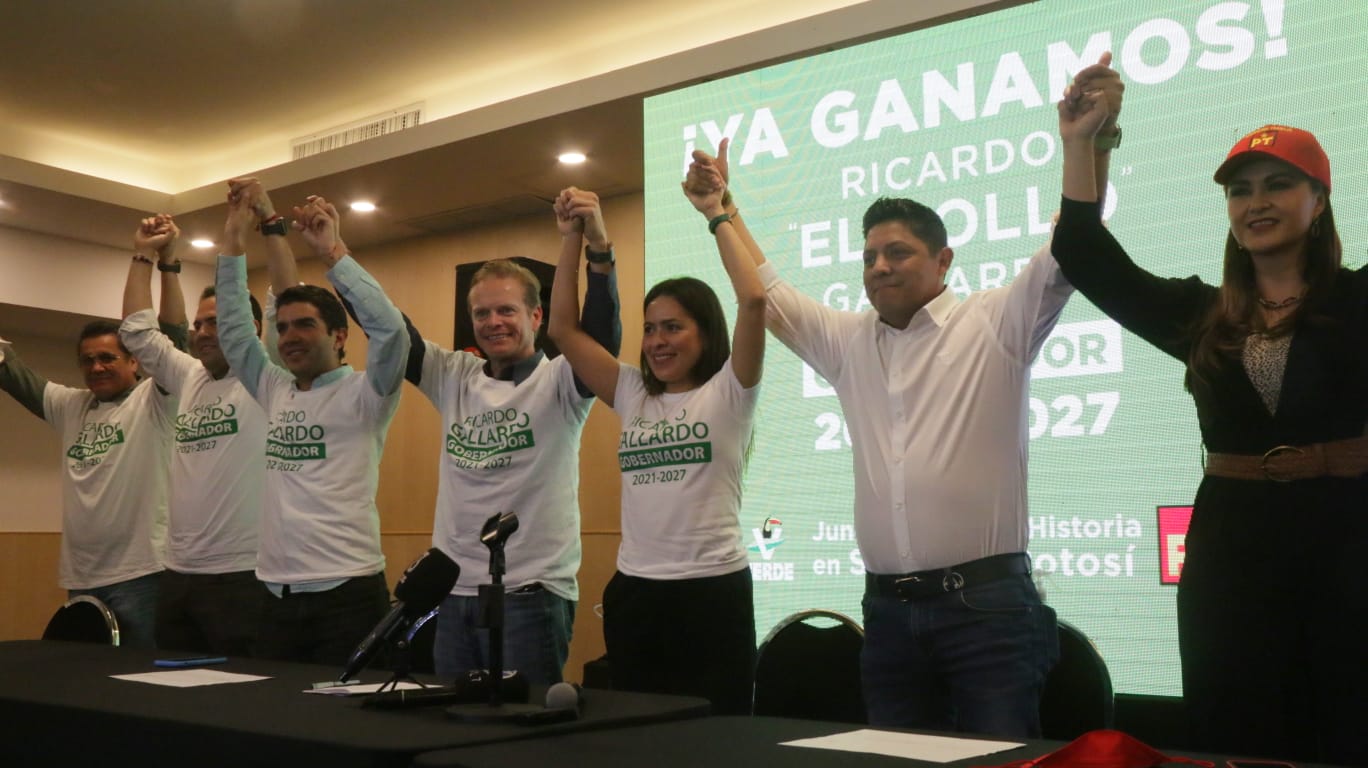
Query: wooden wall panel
{"points": [[28, 574]]}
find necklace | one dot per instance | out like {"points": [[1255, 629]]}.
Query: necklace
{"points": [[1284, 304]]}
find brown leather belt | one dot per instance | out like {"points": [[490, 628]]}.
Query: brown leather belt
{"points": [[1285, 463]]}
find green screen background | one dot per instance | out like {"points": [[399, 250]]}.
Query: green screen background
{"points": [[1114, 434]]}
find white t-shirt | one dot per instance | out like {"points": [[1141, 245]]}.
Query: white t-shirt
{"points": [[508, 447], [682, 458], [319, 521], [115, 459], [218, 462]]}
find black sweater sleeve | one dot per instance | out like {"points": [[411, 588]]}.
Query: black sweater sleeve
{"points": [[1162, 311]]}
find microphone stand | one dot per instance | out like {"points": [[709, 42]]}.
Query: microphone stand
{"points": [[496, 531], [492, 618], [402, 657]]}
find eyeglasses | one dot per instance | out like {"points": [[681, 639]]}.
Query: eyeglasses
{"points": [[104, 358]]}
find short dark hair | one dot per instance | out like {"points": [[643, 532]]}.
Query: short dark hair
{"points": [[924, 223], [97, 328], [210, 293], [701, 303], [329, 308]]}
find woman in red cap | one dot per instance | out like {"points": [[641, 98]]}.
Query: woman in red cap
{"points": [[1277, 362]]}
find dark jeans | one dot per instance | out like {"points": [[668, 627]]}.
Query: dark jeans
{"points": [[692, 637], [134, 604], [322, 627], [974, 660], [217, 613], [536, 639]]}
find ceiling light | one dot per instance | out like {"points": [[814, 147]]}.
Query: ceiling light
{"points": [[201, 242], [571, 158], [363, 206]]}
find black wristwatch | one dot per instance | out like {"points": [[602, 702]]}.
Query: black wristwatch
{"points": [[276, 225], [174, 266], [598, 257]]}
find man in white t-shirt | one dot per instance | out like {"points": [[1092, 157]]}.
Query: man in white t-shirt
{"points": [[116, 437], [512, 422], [933, 387], [319, 553], [210, 600]]}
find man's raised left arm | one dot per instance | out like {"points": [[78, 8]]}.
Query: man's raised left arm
{"points": [[388, 349]]}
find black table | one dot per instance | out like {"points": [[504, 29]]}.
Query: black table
{"points": [[59, 706], [713, 741]]}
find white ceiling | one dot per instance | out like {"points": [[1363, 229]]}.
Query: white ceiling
{"points": [[113, 109]]}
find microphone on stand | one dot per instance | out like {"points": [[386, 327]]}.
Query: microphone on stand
{"points": [[425, 583]]}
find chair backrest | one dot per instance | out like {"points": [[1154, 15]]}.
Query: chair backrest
{"points": [[1078, 692], [83, 619], [808, 667]]}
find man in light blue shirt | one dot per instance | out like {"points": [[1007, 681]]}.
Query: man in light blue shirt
{"points": [[320, 535]]}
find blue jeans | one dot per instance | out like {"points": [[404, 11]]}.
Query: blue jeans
{"points": [[973, 660], [537, 628], [134, 603]]}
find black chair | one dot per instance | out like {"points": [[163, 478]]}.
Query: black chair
{"points": [[808, 667], [1078, 692], [83, 619]]}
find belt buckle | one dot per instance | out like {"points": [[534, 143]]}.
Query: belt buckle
{"points": [[910, 580], [952, 581], [1277, 450]]}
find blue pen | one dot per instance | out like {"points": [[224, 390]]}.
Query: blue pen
{"points": [[191, 662]]}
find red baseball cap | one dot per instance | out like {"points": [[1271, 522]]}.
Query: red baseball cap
{"points": [[1293, 146]]}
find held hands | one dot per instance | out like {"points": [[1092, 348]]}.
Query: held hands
{"points": [[257, 200], [241, 219], [706, 183], [156, 235], [1091, 104], [578, 210], [319, 223]]}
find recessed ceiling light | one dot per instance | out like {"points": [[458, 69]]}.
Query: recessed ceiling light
{"points": [[571, 158], [201, 242], [363, 206]]}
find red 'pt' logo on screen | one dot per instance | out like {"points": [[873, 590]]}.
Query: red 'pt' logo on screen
{"points": [[1173, 527]]}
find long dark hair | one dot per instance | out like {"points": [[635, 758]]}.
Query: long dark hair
{"points": [[1220, 335], [701, 303]]}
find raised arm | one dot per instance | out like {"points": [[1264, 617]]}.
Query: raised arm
{"points": [[280, 260], [387, 353], [816, 333], [706, 189], [164, 354], [594, 366], [281, 271], [602, 314], [236, 328], [702, 166], [154, 242], [1088, 130]]}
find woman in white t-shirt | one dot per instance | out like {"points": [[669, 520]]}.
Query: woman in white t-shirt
{"points": [[678, 614]]}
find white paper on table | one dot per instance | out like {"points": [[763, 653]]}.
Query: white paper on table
{"points": [[189, 678], [935, 749], [363, 688]]}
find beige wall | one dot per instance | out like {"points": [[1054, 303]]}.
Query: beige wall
{"points": [[420, 276]]}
